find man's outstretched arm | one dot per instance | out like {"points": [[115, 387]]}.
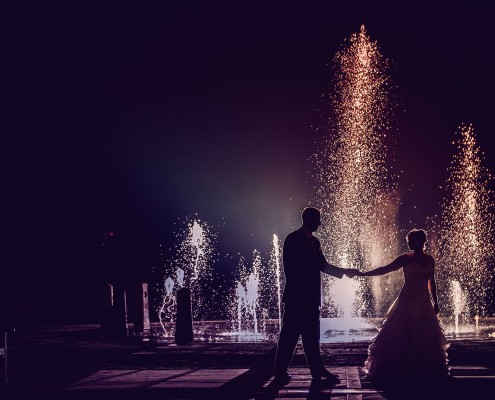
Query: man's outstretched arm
{"points": [[333, 270]]}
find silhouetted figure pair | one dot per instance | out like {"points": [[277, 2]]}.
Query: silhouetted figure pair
{"points": [[411, 343]]}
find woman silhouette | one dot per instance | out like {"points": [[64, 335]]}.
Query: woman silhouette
{"points": [[411, 343]]}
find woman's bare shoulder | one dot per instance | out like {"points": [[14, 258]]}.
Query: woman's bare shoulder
{"points": [[406, 256], [431, 259]]}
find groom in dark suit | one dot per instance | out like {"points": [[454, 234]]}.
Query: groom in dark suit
{"points": [[303, 263]]}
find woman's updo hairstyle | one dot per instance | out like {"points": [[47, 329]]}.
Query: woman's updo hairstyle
{"points": [[416, 239]]}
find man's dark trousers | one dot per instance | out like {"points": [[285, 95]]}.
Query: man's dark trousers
{"points": [[300, 320]]}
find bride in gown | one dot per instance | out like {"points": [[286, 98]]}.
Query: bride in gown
{"points": [[410, 343]]}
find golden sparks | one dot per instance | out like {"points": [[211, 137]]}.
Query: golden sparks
{"points": [[466, 232], [354, 187]]}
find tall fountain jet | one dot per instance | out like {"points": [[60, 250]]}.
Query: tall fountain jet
{"points": [[275, 261], [197, 240], [466, 231], [247, 297], [354, 185], [188, 265]]}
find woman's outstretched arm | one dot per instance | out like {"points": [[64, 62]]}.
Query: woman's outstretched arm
{"points": [[393, 266], [432, 287]]}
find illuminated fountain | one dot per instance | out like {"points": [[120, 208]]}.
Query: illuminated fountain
{"points": [[247, 294], [257, 296], [253, 305], [466, 233], [357, 193], [188, 264], [354, 187], [168, 306], [275, 261], [458, 302]]}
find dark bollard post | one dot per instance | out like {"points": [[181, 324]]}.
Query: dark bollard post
{"points": [[183, 319], [142, 316], [120, 311], [107, 308], [114, 321]]}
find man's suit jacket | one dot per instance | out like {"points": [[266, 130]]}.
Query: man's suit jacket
{"points": [[303, 262]]}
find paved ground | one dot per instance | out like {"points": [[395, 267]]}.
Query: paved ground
{"points": [[77, 362]]}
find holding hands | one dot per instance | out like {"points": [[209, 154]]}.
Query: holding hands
{"points": [[352, 272]]}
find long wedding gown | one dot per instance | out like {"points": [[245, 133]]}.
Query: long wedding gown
{"points": [[411, 343]]}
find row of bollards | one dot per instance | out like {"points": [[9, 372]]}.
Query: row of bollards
{"points": [[114, 319], [114, 313]]}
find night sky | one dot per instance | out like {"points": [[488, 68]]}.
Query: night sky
{"points": [[129, 119]]}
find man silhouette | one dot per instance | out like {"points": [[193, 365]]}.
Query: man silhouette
{"points": [[304, 261]]}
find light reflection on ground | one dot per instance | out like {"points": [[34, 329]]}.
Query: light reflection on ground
{"points": [[333, 330]]}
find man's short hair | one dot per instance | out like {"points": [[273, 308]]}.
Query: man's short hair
{"points": [[309, 213]]}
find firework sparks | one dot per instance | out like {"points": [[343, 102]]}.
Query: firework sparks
{"points": [[466, 232], [354, 186]]}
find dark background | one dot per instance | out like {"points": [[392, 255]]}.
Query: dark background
{"points": [[128, 118]]}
